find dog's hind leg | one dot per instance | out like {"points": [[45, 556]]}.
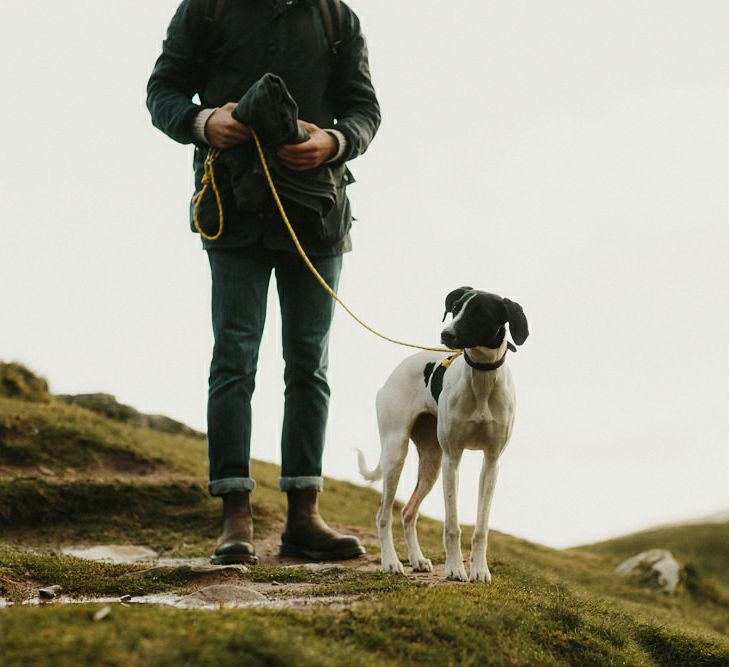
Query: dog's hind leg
{"points": [[426, 441], [479, 542], [394, 451]]}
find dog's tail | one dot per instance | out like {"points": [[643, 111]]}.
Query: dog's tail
{"points": [[369, 475]]}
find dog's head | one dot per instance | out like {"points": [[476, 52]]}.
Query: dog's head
{"points": [[480, 319]]}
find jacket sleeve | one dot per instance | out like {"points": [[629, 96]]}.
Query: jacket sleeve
{"points": [[356, 108], [176, 76]]}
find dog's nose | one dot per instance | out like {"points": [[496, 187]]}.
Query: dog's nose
{"points": [[447, 338]]}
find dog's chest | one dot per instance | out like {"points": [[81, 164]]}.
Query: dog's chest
{"points": [[480, 419], [480, 430]]}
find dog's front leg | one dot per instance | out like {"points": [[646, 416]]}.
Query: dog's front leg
{"points": [[479, 542], [452, 531]]}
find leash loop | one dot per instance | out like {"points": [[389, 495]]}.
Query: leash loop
{"points": [[208, 181]]}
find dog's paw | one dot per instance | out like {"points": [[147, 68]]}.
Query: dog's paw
{"points": [[392, 566], [455, 572], [422, 565], [480, 574]]}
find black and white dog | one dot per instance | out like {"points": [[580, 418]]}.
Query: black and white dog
{"points": [[446, 406]]}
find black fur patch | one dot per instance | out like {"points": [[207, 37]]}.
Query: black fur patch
{"points": [[428, 371], [436, 381], [433, 374]]}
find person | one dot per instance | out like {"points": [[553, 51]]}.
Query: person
{"points": [[217, 55]]}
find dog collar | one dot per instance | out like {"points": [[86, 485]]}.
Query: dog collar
{"points": [[485, 367]]}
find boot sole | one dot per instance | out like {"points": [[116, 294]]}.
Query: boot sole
{"points": [[292, 551], [233, 559]]}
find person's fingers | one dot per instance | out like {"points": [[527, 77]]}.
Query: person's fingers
{"points": [[300, 165], [229, 106], [309, 127], [294, 150], [300, 159], [296, 159], [238, 132]]}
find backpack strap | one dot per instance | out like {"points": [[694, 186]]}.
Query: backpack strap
{"points": [[331, 14]]}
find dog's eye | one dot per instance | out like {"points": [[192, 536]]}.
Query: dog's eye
{"points": [[457, 308]]}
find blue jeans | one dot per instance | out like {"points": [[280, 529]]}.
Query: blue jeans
{"points": [[240, 278]]}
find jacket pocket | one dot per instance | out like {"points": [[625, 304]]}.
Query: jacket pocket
{"points": [[336, 225]]}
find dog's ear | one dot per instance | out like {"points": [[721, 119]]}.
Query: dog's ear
{"points": [[518, 327], [451, 299]]}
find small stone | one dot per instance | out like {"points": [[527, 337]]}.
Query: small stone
{"points": [[125, 598], [275, 583], [49, 592], [44, 470], [102, 613]]}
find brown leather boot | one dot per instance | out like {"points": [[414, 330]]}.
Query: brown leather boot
{"points": [[307, 536], [235, 544]]}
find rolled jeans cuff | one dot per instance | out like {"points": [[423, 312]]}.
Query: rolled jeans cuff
{"points": [[218, 487], [301, 483]]}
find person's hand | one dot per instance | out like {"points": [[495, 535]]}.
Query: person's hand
{"points": [[311, 153], [224, 131]]}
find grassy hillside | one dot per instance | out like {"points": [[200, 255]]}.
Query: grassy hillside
{"points": [[69, 475], [705, 547]]}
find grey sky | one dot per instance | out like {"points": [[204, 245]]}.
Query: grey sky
{"points": [[573, 156]]}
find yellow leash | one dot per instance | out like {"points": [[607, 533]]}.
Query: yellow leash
{"points": [[208, 181]]}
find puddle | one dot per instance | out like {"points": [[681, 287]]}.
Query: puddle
{"points": [[190, 603], [128, 553], [113, 553], [226, 587]]}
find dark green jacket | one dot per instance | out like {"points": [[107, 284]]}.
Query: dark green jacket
{"points": [[218, 61]]}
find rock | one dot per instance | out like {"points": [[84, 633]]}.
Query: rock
{"points": [[657, 565], [125, 598], [221, 594], [113, 553], [49, 592], [102, 614], [108, 406]]}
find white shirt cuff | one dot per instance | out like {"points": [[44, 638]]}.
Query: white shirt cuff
{"points": [[341, 145], [198, 125]]}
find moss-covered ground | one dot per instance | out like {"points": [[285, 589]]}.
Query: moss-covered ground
{"points": [[71, 476]]}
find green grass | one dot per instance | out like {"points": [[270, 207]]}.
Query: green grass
{"points": [[77, 577], [69, 475], [522, 619], [16, 381], [704, 546]]}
